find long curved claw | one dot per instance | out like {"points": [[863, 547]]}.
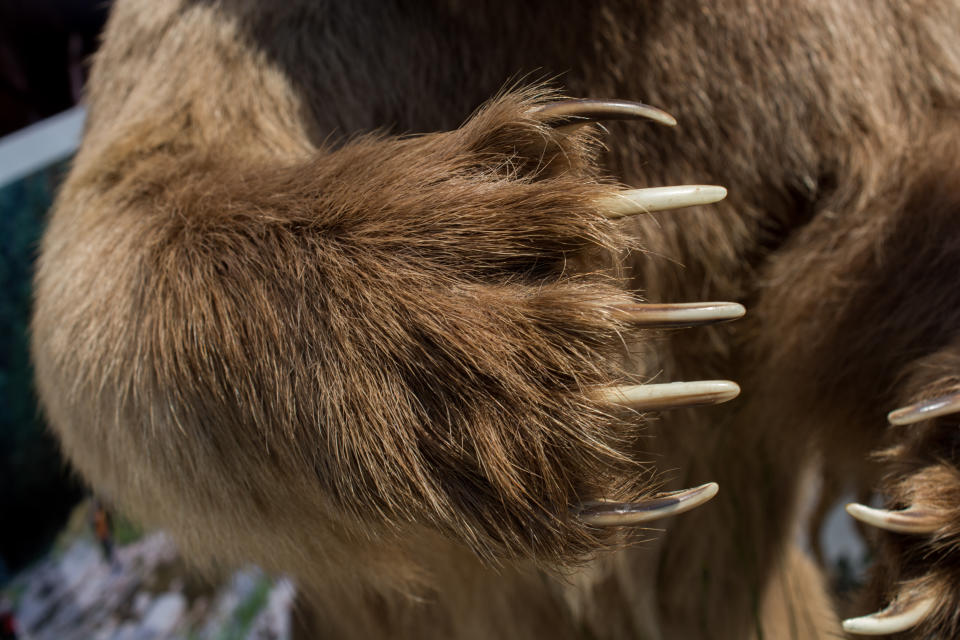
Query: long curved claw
{"points": [[686, 314], [612, 514], [671, 395], [912, 520], [901, 615], [925, 410], [580, 111], [635, 201]]}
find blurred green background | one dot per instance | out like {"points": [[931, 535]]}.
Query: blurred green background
{"points": [[36, 490], [45, 48]]}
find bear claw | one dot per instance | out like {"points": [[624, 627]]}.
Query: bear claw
{"points": [[676, 315], [577, 112], [902, 614], [671, 395], [925, 409], [912, 520], [634, 201], [612, 514]]}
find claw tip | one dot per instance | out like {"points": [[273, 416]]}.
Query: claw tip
{"points": [[900, 616]]}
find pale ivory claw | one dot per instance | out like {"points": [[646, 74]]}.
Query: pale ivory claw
{"points": [[687, 314], [580, 111], [671, 395], [611, 514], [926, 409], [912, 520], [634, 201], [900, 615], [571, 114]]}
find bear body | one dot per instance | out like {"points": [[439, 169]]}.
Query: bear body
{"points": [[272, 321]]}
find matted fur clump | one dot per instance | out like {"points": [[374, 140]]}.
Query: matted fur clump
{"points": [[274, 321]]}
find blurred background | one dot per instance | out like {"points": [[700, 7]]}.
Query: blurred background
{"points": [[44, 47]]}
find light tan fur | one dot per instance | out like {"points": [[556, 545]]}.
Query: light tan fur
{"points": [[270, 323]]}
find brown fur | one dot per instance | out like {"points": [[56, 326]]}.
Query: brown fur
{"points": [[368, 360]]}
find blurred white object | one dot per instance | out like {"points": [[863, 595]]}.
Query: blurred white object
{"points": [[35, 147]]}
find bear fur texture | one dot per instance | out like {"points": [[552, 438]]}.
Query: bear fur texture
{"points": [[274, 322]]}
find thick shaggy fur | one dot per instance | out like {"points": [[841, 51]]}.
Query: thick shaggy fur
{"points": [[271, 325]]}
